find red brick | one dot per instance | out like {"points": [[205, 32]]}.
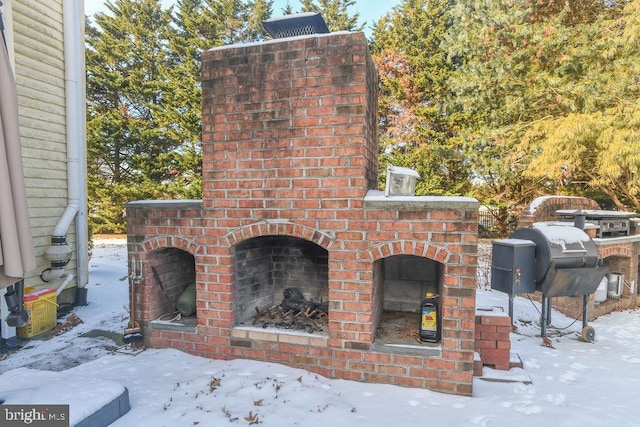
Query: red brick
{"points": [[498, 320], [286, 153], [495, 353], [457, 376], [487, 336], [424, 372], [477, 368], [378, 378], [349, 375], [485, 344], [503, 345], [333, 363], [378, 357], [414, 382], [408, 360]]}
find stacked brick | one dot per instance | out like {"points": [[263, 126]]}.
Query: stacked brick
{"points": [[290, 149], [492, 341]]}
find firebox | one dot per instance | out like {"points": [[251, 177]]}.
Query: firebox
{"points": [[266, 267], [298, 257]]}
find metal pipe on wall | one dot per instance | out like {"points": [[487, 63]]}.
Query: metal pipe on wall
{"points": [[73, 16]]}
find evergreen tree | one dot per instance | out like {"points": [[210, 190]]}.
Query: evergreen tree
{"points": [[144, 97], [416, 130], [335, 13], [259, 10], [523, 66], [287, 10], [129, 134]]}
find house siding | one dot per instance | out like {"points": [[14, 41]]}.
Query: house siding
{"points": [[38, 51]]}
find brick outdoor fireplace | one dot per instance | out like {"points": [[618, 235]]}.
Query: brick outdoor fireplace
{"points": [[289, 201]]}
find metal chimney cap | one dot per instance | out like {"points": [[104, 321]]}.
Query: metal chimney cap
{"points": [[299, 24]]}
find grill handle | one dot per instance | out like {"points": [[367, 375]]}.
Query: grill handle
{"points": [[574, 251]]}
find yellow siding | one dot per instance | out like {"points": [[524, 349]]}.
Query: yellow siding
{"points": [[38, 43]]}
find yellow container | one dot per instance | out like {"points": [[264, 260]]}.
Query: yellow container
{"points": [[42, 308]]}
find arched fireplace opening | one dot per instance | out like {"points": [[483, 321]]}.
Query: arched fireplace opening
{"points": [[270, 269], [405, 281], [172, 273]]}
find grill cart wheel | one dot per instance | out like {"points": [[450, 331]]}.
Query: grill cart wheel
{"points": [[588, 334]]}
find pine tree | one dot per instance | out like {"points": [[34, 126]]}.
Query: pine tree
{"points": [[335, 13], [525, 68], [128, 131], [259, 10], [144, 97], [416, 131], [287, 10]]}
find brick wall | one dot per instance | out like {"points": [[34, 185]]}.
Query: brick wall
{"points": [[544, 208], [290, 150], [155, 231], [289, 126]]}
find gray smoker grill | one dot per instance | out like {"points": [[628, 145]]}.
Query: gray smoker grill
{"points": [[554, 259]]}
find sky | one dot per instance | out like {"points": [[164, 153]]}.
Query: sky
{"points": [[571, 384], [370, 10]]}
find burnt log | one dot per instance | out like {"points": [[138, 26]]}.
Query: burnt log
{"points": [[295, 301], [295, 312]]}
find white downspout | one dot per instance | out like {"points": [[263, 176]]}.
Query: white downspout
{"points": [[73, 18]]}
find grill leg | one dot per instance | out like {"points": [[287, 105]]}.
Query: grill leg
{"points": [[585, 310], [543, 323], [511, 308]]}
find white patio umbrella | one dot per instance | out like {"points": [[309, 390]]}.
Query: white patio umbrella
{"points": [[17, 255]]}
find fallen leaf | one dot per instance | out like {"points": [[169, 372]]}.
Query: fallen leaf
{"points": [[252, 418], [214, 384]]}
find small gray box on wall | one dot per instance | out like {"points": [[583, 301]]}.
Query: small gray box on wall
{"points": [[513, 266]]}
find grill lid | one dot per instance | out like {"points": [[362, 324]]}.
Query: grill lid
{"points": [[563, 245], [299, 24], [566, 259]]}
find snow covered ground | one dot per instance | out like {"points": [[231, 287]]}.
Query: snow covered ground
{"points": [[573, 384]]}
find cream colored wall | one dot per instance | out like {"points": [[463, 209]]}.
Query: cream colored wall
{"points": [[36, 43]]}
